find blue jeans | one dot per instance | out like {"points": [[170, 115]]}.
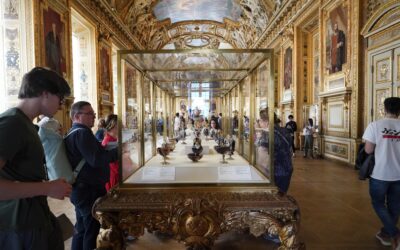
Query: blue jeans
{"points": [[87, 227], [385, 196], [308, 145]]}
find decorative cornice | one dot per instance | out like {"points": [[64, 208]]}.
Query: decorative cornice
{"points": [[289, 11], [103, 14], [336, 92]]}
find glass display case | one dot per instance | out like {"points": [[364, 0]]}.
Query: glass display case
{"points": [[183, 189]]}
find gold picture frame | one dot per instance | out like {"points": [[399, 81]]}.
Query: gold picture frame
{"points": [[52, 30], [105, 67], [336, 37]]}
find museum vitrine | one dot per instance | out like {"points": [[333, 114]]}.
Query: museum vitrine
{"points": [[175, 174]]}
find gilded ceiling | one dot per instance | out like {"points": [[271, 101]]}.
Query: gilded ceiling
{"points": [[182, 24]]}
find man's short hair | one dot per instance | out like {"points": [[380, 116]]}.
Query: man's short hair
{"points": [[392, 105], [41, 79], [290, 116], [77, 107]]}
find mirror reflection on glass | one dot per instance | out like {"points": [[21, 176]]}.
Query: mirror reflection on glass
{"points": [[130, 121], [246, 117]]}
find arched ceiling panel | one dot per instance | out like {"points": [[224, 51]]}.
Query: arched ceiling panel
{"points": [[161, 24], [184, 10]]}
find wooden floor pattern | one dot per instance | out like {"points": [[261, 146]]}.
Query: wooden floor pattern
{"points": [[335, 207]]}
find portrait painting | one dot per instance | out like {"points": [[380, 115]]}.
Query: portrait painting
{"points": [[105, 68], [182, 105], [54, 41], [287, 69], [336, 39]]}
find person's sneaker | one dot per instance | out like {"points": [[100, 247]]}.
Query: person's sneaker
{"points": [[383, 238]]}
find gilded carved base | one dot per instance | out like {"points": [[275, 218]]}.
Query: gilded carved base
{"points": [[196, 218]]}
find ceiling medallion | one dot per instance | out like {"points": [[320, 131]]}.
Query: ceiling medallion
{"points": [[197, 41]]}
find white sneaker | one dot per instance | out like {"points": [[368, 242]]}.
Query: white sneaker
{"points": [[384, 239]]}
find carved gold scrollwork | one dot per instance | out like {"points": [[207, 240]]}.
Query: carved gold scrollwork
{"points": [[260, 222], [110, 237], [103, 33], [196, 222]]}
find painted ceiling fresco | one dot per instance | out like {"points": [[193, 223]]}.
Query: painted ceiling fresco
{"points": [[177, 24]]}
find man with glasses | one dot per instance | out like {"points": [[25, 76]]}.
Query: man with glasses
{"points": [[26, 221], [95, 173]]}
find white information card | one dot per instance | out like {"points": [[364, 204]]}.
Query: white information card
{"points": [[234, 173], [158, 173]]}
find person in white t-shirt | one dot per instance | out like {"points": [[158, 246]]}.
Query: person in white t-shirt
{"points": [[382, 137]]}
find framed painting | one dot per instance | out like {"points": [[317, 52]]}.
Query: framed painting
{"points": [[336, 37], [105, 96], [105, 75], [287, 69], [54, 42]]}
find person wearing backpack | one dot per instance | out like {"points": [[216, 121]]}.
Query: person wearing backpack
{"points": [[291, 126], [382, 138], [92, 178], [26, 220]]}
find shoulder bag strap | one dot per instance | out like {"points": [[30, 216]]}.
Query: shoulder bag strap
{"points": [[83, 161], [283, 137]]}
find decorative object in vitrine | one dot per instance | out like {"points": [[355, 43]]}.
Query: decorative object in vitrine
{"points": [[213, 133], [197, 148], [197, 133], [222, 150], [195, 157], [171, 146], [163, 151], [206, 132], [223, 146], [231, 142]]}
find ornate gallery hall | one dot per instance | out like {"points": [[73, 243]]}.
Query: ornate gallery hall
{"points": [[196, 86]]}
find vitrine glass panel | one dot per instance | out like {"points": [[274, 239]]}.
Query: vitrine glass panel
{"points": [[175, 164], [148, 119], [159, 116], [130, 119], [261, 124], [246, 117], [234, 119]]}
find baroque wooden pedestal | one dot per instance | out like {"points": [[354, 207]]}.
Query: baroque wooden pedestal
{"points": [[196, 215]]}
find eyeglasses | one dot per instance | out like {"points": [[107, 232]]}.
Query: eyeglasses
{"points": [[87, 113]]}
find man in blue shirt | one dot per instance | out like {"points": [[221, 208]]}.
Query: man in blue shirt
{"points": [[90, 183]]}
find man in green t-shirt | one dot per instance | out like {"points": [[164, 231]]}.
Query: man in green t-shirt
{"points": [[26, 220]]}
